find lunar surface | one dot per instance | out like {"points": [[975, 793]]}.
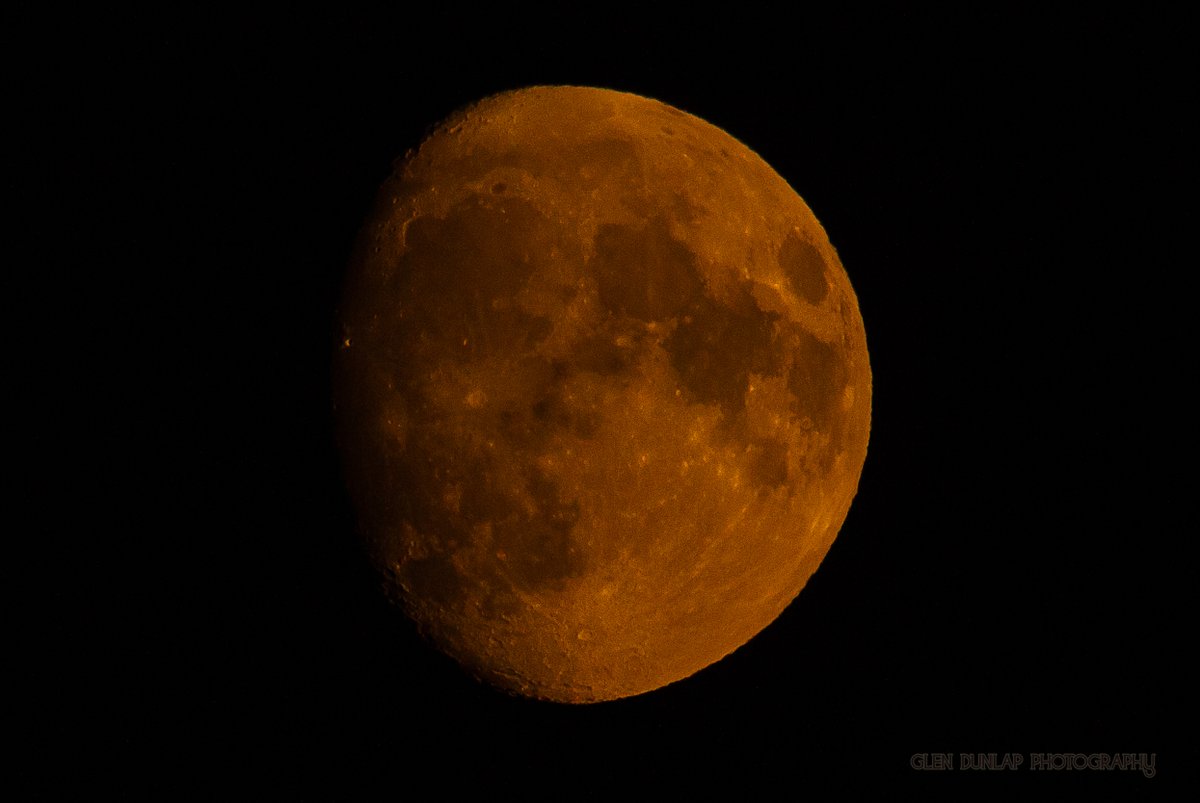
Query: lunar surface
{"points": [[603, 392]]}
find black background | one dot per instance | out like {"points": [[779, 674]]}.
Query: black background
{"points": [[200, 617]]}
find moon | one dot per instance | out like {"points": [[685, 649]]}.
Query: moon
{"points": [[602, 390]]}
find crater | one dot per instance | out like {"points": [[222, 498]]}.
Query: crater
{"points": [[644, 272], [804, 268]]}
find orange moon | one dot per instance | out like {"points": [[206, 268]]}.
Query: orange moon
{"points": [[602, 389]]}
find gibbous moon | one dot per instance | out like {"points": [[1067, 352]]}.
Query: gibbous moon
{"points": [[603, 392]]}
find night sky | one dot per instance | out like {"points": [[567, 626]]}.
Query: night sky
{"points": [[199, 616]]}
